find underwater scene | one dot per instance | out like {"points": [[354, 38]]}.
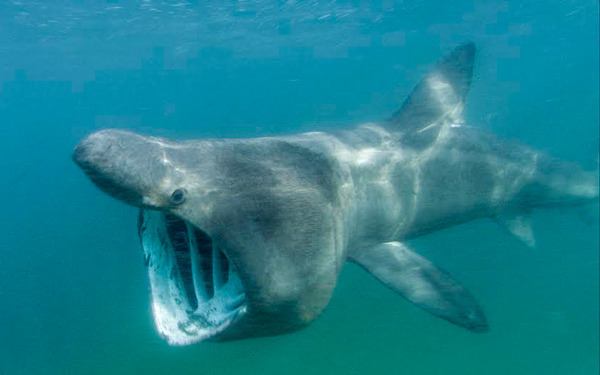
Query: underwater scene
{"points": [[299, 187]]}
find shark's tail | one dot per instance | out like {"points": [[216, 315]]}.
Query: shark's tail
{"points": [[559, 183], [554, 183]]}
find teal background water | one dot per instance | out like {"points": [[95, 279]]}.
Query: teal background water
{"points": [[73, 288]]}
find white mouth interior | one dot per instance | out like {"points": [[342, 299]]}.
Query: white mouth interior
{"points": [[196, 291]]}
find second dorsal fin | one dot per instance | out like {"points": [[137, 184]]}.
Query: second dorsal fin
{"points": [[519, 226], [438, 99]]}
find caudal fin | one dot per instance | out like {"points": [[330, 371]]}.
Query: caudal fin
{"points": [[559, 183]]}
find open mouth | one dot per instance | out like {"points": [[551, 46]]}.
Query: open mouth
{"points": [[196, 290]]}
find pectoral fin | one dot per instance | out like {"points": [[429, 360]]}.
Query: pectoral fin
{"points": [[423, 284]]}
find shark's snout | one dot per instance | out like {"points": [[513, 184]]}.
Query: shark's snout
{"points": [[92, 155], [85, 151], [120, 163], [96, 150]]}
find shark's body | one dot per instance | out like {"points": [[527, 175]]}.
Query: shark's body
{"points": [[247, 237]]}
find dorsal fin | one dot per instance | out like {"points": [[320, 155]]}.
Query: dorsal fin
{"points": [[438, 99]]}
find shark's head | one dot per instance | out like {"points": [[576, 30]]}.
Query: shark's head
{"points": [[233, 249]]}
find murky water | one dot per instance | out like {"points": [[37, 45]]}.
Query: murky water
{"points": [[73, 285]]}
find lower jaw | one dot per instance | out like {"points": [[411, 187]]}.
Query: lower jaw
{"points": [[196, 290]]}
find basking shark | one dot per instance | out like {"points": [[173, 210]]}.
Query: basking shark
{"points": [[247, 237]]}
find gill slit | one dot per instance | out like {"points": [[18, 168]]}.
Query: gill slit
{"points": [[202, 294]]}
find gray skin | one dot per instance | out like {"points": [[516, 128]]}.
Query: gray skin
{"points": [[289, 211]]}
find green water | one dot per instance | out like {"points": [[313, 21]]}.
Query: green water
{"points": [[73, 287]]}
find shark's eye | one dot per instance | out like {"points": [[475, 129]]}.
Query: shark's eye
{"points": [[178, 196]]}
